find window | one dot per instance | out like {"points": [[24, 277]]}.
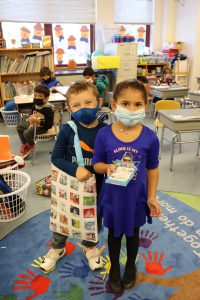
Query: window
{"points": [[71, 41], [17, 33]]}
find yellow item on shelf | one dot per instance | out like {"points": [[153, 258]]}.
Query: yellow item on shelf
{"points": [[106, 62]]}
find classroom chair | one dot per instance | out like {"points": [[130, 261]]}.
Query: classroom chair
{"points": [[166, 105], [52, 132]]}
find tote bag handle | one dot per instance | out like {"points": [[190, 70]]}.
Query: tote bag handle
{"points": [[79, 154]]}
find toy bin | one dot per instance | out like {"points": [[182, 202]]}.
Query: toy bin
{"points": [[11, 118], [43, 186], [13, 203]]}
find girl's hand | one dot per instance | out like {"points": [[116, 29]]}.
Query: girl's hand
{"points": [[111, 169], [155, 210], [82, 174]]}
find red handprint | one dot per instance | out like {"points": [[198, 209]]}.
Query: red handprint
{"points": [[69, 247], [39, 284], [154, 265]]}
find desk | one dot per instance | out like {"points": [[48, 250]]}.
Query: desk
{"points": [[28, 99], [194, 96], [164, 92], [55, 99], [180, 121]]}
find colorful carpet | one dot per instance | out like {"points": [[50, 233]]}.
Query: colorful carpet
{"points": [[168, 262]]}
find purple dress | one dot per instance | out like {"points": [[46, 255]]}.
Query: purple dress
{"points": [[124, 208]]}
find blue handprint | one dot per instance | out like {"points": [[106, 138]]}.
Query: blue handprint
{"points": [[69, 270], [146, 238], [137, 297]]}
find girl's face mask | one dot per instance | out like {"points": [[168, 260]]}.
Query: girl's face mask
{"points": [[129, 118]]}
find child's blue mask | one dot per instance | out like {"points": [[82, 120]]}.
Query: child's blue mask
{"points": [[86, 115], [129, 118]]}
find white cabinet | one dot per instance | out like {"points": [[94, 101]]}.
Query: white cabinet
{"points": [[181, 71], [128, 59]]}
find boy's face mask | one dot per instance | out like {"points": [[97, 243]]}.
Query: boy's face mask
{"points": [[38, 101], [86, 115], [129, 118]]}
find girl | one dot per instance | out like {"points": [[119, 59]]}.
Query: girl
{"points": [[125, 209]]}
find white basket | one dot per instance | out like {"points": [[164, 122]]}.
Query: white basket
{"points": [[11, 118], [13, 205]]}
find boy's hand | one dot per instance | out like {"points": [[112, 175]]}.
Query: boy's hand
{"points": [[83, 174], [33, 119], [155, 210], [111, 169]]}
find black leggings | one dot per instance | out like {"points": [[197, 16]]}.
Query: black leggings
{"points": [[114, 247]]}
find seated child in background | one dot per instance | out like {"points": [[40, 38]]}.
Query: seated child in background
{"points": [[100, 81], [47, 79], [42, 116], [167, 79]]}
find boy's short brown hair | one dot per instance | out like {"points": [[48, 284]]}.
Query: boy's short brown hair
{"points": [[82, 86]]}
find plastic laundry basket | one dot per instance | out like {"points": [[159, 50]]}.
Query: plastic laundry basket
{"points": [[11, 118], [13, 205]]}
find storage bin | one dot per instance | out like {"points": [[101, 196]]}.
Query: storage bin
{"points": [[43, 186], [11, 118], [105, 62]]}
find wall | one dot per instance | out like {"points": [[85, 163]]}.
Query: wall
{"points": [[172, 22], [188, 31]]}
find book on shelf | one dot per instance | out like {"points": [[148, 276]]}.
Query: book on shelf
{"points": [[12, 89], [122, 175], [26, 64], [36, 53], [47, 41]]}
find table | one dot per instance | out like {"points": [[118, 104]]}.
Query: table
{"points": [[194, 96], [28, 99], [164, 92], [56, 99], [180, 121]]}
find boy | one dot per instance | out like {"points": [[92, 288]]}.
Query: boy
{"points": [[83, 102], [42, 116], [101, 82], [47, 79]]}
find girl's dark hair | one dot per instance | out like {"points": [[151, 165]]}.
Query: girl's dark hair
{"points": [[42, 89], [82, 86], [130, 84], [45, 71]]}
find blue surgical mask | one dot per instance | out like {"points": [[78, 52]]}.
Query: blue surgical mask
{"points": [[85, 115], [129, 118]]}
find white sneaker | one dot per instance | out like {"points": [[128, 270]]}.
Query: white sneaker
{"points": [[94, 259], [49, 261]]}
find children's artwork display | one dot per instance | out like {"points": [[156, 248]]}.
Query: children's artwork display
{"points": [[73, 206]]}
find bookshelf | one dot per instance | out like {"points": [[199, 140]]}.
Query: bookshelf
{"points": [[21, 65], [151, 71]]}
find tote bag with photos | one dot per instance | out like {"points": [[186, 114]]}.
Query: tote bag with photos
{"points": [[73, 204]]}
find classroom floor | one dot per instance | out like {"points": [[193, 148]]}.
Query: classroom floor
{"points": [[184, 178]]}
